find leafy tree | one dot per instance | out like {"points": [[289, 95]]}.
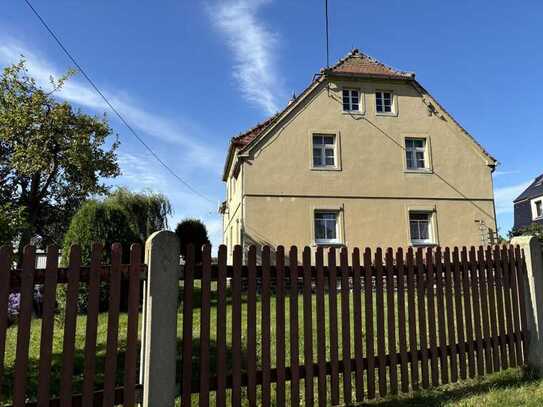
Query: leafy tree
{"points": [[52, 156], [534, 229], [192, 231], [147, 211], [11, 220], [102, 222]]}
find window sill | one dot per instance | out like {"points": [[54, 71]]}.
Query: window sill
{"points": [[423, 244], [354, 113], [422, 171], [325, 169], [386, 114], [327, 244]]}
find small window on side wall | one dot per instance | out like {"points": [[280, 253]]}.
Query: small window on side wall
{"points": [[420, 228], [351, 100], [415, 154], [326, 227], [324, 151], [384, 102], [538, 209]]}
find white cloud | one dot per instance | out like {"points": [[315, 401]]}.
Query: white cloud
{"points": [[157, 126], [499, 173], [504, 196], [254, 47]]}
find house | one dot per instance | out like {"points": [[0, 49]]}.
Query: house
{"points": [[529, 205], [364, 156]]}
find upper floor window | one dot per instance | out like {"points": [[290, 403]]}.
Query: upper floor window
{"points": [[415, 154], [537, 208], [420, 227], [326, 227], [351, 100], [324, 150], [384, 102]]}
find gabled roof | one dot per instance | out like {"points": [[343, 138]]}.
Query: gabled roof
{"points": [[534, 190]]}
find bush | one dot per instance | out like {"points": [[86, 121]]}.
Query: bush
{"points": [[192, 231], [535, 229]]}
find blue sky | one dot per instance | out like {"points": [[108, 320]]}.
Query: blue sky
{"points": [[189, 75]]}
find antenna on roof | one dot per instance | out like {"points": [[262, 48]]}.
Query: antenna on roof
{"points": [[327, 45]]}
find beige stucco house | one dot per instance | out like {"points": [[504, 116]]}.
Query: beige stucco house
{"points": [[364, 156]]}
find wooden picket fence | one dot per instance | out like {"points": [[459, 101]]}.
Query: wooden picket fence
{"points": [[76, 274], [403, 320]]}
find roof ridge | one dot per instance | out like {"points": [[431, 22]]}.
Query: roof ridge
{"points": [[356, 53]]}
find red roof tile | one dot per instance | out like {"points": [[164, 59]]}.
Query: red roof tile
{"points": [[358, 63]]}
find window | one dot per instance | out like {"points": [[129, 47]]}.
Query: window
{"points": [[384, 102], [420, 227], [326, 227], [324, 150], [415, 154], [351, 100], [538, 206]]}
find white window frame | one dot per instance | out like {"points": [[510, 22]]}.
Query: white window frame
{"points": [[323, 147], [393, 107], [431, 228], [325, 241], [360, 100], [413, 152], [533, 205]]}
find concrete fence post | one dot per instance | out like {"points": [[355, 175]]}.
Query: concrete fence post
{"points": [[533, 294], [159, 327]]}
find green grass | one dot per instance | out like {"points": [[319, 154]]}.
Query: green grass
{"points": [[511, 385]]}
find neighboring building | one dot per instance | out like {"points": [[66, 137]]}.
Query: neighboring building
{"points": [[529, 205], [364, 156]]}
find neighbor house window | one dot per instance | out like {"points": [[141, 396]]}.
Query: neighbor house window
{"points": [[351, 100], [324, 150], [384, 102], [538, 209], [420, 227], [415, 154], [326, 227]]}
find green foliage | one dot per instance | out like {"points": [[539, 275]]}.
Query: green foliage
{"points": [[192, 231], [101, 222], [11, 220], [147, 211], [52, 156], [535, 229]]}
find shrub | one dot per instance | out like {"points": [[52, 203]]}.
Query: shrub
{"points": [[192, 231]]}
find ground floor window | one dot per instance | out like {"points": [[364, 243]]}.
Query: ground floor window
{"points": [[326, 227], [420, 227]]}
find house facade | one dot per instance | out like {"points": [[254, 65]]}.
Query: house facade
{"points": [[363, 157], [529, 205]]}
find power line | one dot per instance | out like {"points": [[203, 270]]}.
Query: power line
{"points": [[121, 118], [327, 45]]}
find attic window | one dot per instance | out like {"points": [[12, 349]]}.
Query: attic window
{"points": [[384, 102], [351, 100]]}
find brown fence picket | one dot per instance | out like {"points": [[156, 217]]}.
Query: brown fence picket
{"points": [[498, 277], [251, 326], [70, 320], [131, 355], [308, 327], [280, 326], [47, 325], [236, 327], [112, 326], [294, 352], [391, 320], [521, 275], [345, 326], [515, 304], [459, 313], [5, 266], [421, 292], [412, 313], [430, 301], [220, 397], [477, 321], [380, 313], [400, 283], [188, 288], [491, 283], [23, 330], [321, 328], [449, 301], [507, 302], [368, 296], [265, 327], [357, 326], [468, 323], [205, 324], [484, 308], [441, 317], [92, 325], [332, 304]]}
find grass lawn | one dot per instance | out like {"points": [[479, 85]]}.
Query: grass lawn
{"points": [[510, 387]]}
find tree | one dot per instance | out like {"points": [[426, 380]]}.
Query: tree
{"points": [[192, 231], [52, 157], [534, 229], [147, 211]]}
